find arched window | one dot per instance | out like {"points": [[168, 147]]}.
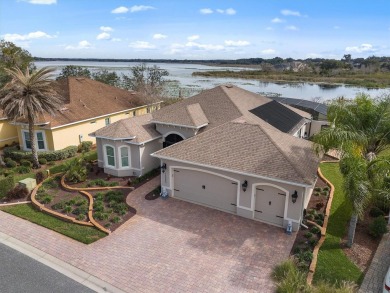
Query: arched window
{"points": [[172, 139], [110, 155], [125, 156]]}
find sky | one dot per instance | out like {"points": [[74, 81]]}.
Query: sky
{"points": [[197, 29]]}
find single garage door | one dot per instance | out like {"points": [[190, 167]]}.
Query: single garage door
{"points": [[206, 189], [269, 204]]}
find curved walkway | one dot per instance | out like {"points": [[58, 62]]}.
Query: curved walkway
{"points": [[373, 280]]}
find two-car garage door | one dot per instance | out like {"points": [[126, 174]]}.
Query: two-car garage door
{"points": [[206, 189]]}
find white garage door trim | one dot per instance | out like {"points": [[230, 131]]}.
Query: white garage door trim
{"points": [[172, 183], [272, 185]]}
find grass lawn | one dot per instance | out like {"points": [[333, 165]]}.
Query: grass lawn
{"points": [[333, 265], [80, 233]]}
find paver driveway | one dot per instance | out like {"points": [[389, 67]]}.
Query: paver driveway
{"points": [[170, 246]]}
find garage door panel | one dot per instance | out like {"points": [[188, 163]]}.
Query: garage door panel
{"points": [[269, 205], [206, 189]]}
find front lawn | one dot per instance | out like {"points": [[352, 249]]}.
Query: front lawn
{"points": [[80, 233], [333, 265]]}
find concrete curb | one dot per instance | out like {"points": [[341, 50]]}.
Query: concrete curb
{"points": [[313, 263], [60, 266]]}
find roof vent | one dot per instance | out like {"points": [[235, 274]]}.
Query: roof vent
{"points": [[229, 86]]}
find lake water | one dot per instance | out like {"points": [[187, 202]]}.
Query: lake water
{"points": [[181, 77]]}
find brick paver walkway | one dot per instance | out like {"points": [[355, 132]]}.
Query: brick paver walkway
{"points": [[170, 246], [373, 280]]}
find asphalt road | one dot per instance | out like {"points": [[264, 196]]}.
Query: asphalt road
{"points": [[20, 273]]}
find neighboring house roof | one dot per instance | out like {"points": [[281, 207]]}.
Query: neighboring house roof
{"points": [[86, 98], [214, 107], [278, 116], [138, 129], [252, 148], [318, 107]]}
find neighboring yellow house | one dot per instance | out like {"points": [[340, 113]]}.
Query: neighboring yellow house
{"points": [[88, 105]]}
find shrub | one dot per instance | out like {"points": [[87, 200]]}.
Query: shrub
{"points": [[42, 161], [6, 184], [308, 235], [11, 164], [320, 217], [98, 206], [81, 217], [313, 241], [46, 199], [84, 146], [326, 188], [81, 201], [378, 227], [319, 205], [26, 163], [99, 196], [114, 195], [315, 230], [289, 278], [58, 206], [316, 193], [376, 212], [80, 210], [116, 219], [8, 173], [76, 171], [39, 176], [320, 222], [23, 169], [18, 155], [101, 182], [325, 193], [101, 216], [50, 183], [305, 256], [120, 208], [67, 209], [17, 192], [318, 189]]}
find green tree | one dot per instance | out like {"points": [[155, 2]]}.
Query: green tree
{"points": [[11, 56], [107, 77], [75, 71], [360, 130], [28, 95], [147, 80]]}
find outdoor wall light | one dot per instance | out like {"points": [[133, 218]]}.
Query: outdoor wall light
{"points": [[244, 185], [163, 167], [294, 196]]}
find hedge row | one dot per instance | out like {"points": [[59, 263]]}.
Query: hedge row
{"points": [[17, 155], [6, 184]]}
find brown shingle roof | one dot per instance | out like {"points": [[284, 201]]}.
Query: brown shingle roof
{"points": [[250, 148], [139, 129], [86, 98]]}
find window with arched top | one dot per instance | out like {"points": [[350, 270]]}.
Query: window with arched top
{"points": [[124, 152], [109, 155], [172, 139]]}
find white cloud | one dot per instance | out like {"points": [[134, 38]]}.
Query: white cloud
{"points": [[141, 45], [361, 49], [230, 43], [29, 36], [291, 28], [229, 11], [116, 40], [314, 55], [106, 29], [159, 36], [137, 8], [206, 11], [120, 9], [42, 2], [193, 38], [207, 47], [268, 51], [290, 12], [103, 36], [80, 46], [277, 20]]}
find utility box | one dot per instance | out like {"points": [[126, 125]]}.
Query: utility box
{"points": [[29, 183]]}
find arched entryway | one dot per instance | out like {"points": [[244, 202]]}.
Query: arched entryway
{"points": [[172, 139]]}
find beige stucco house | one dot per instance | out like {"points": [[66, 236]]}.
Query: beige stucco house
{"points": [[88, 106], [225, 148]]}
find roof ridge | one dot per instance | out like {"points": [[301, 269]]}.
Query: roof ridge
{"points": [[190, 114], [222, 87], [281, 151]]}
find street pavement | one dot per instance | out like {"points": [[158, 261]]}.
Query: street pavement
{"points": [[20, 273]]}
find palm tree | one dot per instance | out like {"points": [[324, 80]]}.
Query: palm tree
{"points": [[28, 95], [360, 130]]}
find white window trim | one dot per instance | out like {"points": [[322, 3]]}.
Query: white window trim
{"points": [[36, 140], [107, 119], [106, 165], [128, 157]]}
